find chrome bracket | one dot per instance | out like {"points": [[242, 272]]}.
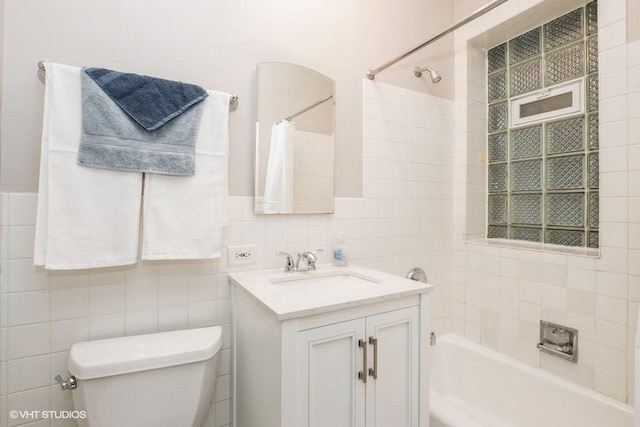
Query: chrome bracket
{"points": [[69, 384], [559, 340]]}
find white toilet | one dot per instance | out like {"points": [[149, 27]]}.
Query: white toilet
{"points": [[157, 380]]}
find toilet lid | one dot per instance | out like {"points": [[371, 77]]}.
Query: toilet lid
{"points": [[115, 356]]}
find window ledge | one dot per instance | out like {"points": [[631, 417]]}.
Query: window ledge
{"points": [[537, 247]]}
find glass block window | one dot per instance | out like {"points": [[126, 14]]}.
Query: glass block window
{"points": [[543, 177]]}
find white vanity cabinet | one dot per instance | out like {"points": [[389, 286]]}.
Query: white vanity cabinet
{"points": [[344, 365], [361, 372]]}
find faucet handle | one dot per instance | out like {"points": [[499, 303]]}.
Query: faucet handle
{"points": [[311, 258], [290, 264], [311, 254]]}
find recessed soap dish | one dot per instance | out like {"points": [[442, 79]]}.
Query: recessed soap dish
{"points": [[559, 340]]}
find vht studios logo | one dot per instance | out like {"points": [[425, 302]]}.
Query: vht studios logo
{"points": [[47, 415]]}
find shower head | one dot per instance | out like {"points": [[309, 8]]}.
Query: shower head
{"points": [[435, 77]]}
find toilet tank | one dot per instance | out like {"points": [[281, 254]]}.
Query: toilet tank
{"points": [[164, 379]]}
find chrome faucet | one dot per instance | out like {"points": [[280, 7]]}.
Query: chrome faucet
{"points": [[308, 257]]}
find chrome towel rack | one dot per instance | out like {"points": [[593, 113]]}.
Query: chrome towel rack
{"points": [[42, 72]]}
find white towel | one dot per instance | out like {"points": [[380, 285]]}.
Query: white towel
{"points": [[183, 217], [278, 189], [86, 217]]}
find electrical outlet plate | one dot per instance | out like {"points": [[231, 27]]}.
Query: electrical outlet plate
{"points": [[241, 255]]}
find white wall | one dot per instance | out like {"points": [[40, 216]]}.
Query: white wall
{"points": [[1, 59], [217, 44], [500, 293], [403, 221], [400, 163], [633, 21], [462, 8], [408, 181]]}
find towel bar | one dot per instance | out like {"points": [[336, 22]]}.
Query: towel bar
{"points": [[233, 102]]}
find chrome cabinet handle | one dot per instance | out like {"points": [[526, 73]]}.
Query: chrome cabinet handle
{"points": [[374, 371], [362, 374]]}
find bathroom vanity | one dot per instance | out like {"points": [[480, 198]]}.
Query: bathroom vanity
{"points": [[340, 346]]}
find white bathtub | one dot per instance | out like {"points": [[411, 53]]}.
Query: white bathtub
{"points": [[473, 386]]}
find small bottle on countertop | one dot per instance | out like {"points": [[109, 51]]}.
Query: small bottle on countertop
{"points": [[340, 253]]}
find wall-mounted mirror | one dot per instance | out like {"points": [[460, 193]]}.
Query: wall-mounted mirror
{"points": [[294, 140]]}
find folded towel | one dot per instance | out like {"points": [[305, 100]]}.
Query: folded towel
{"points": [[183, 217], [278, 188], [150, 101], [112, 140], [86, 217]]}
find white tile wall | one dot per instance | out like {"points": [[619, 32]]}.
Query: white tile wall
{"points": [[415, 181], [408, 176], [597, 295], [47, 312], [313, 172], [404, 221]]}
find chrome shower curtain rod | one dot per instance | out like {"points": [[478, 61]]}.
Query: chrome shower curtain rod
{"points": [[310, 107], [233, 100], [371, 74]]}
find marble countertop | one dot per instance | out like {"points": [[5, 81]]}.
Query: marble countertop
{"points": [[289, 300]]}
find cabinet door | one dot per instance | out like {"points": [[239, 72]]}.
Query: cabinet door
{"points": [[329, 391], [392, 398]]}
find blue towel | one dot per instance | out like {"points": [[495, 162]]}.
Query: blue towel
{"points": [[150, 101], [111, 139]]}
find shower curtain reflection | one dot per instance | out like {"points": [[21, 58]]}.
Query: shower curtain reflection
{"points": [[278, 190]]}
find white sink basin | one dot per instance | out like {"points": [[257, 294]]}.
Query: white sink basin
{"points": [[329, 288], [330, 280]]}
